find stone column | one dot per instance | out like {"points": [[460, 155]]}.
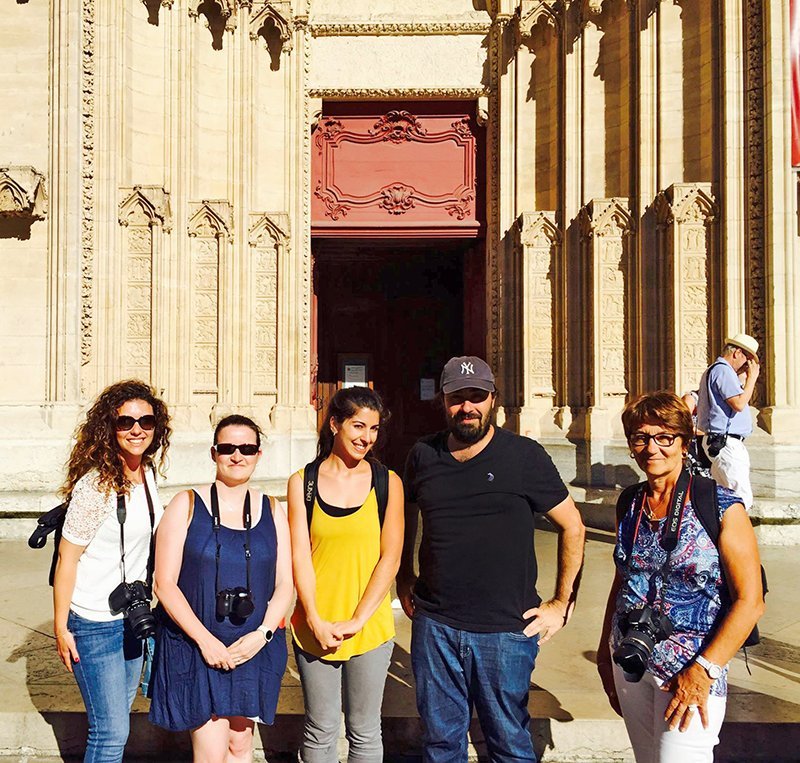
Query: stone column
{"points": [[686, 213], [605, 225], [539, 245]]}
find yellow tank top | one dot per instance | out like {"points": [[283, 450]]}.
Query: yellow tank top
{"points": [[344, 552]]}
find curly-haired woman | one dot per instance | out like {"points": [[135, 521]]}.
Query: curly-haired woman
{"points": [[106, 540]]}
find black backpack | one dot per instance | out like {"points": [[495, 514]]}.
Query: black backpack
{"points": [[706, 507], [53, 522], [380, 479]]}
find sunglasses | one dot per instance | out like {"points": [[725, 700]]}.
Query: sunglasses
{"points": [[126, 423], [228, 449]]}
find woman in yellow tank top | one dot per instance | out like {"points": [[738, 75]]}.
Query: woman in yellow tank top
{"points": [[344, 565]]}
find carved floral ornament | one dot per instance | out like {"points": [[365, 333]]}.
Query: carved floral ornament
{"points": [[22, 193]]}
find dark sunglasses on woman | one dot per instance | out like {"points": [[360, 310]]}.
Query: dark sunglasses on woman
{"points": [[126, 423], [228, 449]]}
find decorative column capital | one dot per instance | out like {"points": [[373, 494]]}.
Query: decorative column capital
{"points": [[23, 193], [211, 219], [531, 12], [149, 202], [606, 217], [273, 226], [538, 229], [278, 13], [686, 203]]}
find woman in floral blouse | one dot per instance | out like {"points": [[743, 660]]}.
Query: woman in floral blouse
{"points": [[670, 627]]}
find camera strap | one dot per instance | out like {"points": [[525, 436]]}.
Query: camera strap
{"points": [[246, 520], [669, 535], [122, 515]]}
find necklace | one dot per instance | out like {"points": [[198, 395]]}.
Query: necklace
{"points": [[648, 510]]}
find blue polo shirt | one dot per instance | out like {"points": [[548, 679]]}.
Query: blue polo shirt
{"points": [[713, 412]]}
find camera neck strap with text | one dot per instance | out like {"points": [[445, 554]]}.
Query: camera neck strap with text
{"points": [[669, 533], [246, 520], [122, 514]]}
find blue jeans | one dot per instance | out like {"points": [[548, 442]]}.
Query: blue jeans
{"points": [[457, 670], [108, 675]]}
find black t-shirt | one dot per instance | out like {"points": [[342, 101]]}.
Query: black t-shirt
{"points": [[477, 564]]}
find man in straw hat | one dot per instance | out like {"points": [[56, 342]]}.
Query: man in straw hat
{"points": [[722, 413]]}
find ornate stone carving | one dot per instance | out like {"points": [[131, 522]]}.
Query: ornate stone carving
{"points": [[685, 212], [369, 28], [269, 239], [398, 126], [755, 181], [539, 238], [87, 183], [399, 93], [138, 223], [153, 200], [604, 225], [227, 12], [531, 12], [210, 218], [278, 13], [23, 193]]}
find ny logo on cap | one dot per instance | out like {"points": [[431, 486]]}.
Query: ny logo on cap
{"points": [[467, 368]]}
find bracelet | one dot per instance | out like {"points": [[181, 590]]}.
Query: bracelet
{"points": [[266, 633]]}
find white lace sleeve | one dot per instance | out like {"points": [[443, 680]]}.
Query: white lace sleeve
{"points": [[88, 509]]}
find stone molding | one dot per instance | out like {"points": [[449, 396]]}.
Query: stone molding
{"points": [[210, 218], [401, 93], [272, 225], [399, 29], [88, 65], [531, 12], [153, 200], [23, 193]]}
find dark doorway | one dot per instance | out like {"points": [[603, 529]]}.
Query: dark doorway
{"points": [[401, 309]]}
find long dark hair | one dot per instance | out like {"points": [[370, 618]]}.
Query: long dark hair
{"points": [[344, 405], [96, 438]]}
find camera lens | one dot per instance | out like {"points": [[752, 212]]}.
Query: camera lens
{"points": [[141, 620]]}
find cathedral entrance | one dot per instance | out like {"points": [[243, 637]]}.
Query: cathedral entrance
{"points": [[389, 315], [397, 224]]}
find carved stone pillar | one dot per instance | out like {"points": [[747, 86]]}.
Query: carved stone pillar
{"points": [[210, 355], [539, 243], [686, 212], [605, 225], [139, 346]]}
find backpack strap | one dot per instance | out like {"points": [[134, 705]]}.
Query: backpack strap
{"points": [[706, 505], [623, 504], [310, 488], [380, 479]]}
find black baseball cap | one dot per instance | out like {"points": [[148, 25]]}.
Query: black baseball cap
{"points": [[466, 372]]}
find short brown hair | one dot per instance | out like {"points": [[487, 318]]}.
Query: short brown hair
{"points": [[664, 408]]}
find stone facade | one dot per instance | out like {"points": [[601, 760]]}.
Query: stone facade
{"points": [[155, 211]]}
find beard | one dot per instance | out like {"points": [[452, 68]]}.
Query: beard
{"points": [[469, 428]]}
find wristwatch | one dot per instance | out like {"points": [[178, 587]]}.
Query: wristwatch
{"points": [[265, 632], [714, 671]]}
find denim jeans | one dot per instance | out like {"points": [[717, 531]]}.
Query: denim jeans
{"points": [[457, 670], [108, 673], [362, 678]]}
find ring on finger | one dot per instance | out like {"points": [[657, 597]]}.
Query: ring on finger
{"points": [[691, 708]]}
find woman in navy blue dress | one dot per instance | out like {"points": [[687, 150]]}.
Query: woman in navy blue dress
{"points": [[224, 581]]}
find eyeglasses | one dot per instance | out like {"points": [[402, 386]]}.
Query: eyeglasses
{"points": [[662, 439], [228, 449], [126, 423]]}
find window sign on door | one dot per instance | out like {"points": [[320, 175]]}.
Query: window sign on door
{"points": [[355, 375]]}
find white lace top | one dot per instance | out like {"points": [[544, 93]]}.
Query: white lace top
{"points": [[91, 521]]}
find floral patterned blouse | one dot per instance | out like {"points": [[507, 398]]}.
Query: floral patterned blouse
{"points": [[691, 598]]}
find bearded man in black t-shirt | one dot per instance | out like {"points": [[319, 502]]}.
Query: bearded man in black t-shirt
{"points": [[477, 618]]}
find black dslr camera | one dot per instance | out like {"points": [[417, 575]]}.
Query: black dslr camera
{"points": [[133, 600], [642, 628], [715, 442], [235, 602]]}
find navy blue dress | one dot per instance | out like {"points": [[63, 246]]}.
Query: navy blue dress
{"points": [[186, 691]]}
